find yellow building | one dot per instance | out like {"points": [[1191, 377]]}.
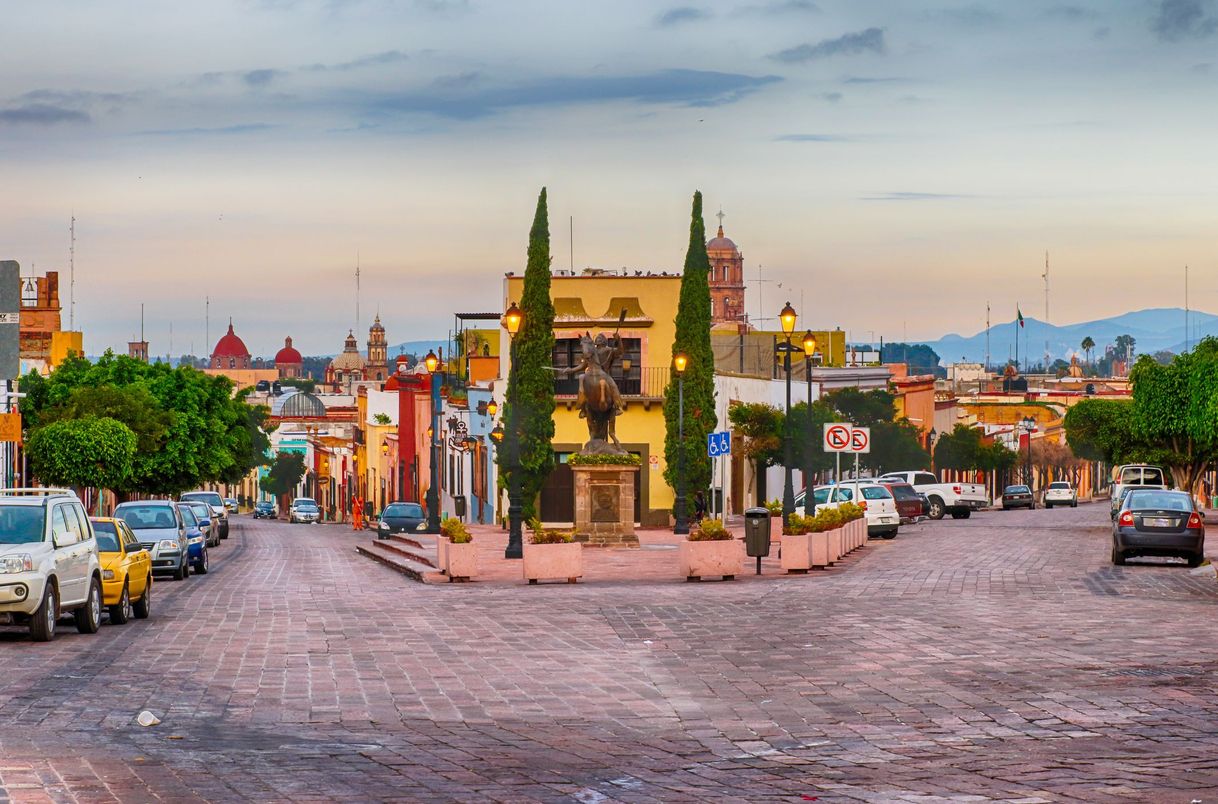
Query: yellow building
{"points": [[756, 353], [594, 302]]}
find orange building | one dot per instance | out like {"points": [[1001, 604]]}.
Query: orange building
{"points": [[915, 400]]}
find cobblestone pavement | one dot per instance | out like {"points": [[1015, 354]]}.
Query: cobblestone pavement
{"points": [[995, 658]]}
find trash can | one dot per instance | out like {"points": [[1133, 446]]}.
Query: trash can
{"points": [[757, 532]]}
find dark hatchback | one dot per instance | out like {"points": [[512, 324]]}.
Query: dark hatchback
{"points": [[402, 517], [909, 502], [264, 510], [1158, 523], [1017, 497]]}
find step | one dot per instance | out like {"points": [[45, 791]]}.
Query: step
{"points": [[417, 540], [410, 550], [399, 561]]}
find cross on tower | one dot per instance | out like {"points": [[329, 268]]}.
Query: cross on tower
{"points": [[720, 216]]}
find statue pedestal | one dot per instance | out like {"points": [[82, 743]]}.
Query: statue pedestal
{"points": [[604, 505]]}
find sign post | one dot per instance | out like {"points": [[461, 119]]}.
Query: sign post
{"points": [[718, 445], [860, 441], [837, 440]]}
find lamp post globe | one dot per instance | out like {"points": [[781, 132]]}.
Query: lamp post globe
{"points": [[787, 317], [809, 345], [512, 319]]}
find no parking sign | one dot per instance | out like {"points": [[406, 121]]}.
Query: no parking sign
{"points": [[837, 437]]}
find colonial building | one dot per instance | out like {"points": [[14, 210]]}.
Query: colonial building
{"points": [[377, 367], [43, 342], [230, 352], [288, 361], [726, 279], [349, 367]]}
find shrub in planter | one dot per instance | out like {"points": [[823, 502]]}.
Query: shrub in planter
{"points": [[459, 556], [579, 459], [552, 554], [456, 531], [710, 549], [774, 507], [710, 530]]}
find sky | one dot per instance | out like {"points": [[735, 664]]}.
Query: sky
{"points": [[888, 167]]}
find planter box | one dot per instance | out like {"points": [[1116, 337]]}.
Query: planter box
{"points": [[836, 549], [818, 549], [860, 532], [544, 562], [796, 552], [462, 561], [442, 553], [725, 558]]}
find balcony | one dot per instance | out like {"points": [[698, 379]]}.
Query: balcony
{"points": [[640, 384]]}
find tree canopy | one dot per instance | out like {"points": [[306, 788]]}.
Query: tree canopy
{"points": [[94, 452], [285, 473], [963, 449]]}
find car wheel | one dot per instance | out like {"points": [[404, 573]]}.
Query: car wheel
{"points": [[1195, 560], [889, 534], [1118, 556], [965, 514], [42, 623], [121, 611], [183, 570], [143, 606], [88, 616], [936, 508], [1074, 504], [1048, 505], [201, 566]]}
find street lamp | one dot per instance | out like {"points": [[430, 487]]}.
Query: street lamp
{"points": [[930, 447], [492, 408], [512, 319], [1029, 424], [433, 492], [809, 350], [679, 362], [787, 317]]}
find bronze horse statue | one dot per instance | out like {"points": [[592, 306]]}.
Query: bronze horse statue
{"points": [[600, 400]]}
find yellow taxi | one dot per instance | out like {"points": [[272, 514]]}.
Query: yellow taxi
{"points": [[126, 570]]}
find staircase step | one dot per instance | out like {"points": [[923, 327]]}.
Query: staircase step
{"points": [[411, 551], [417, 540], [400, 561]]}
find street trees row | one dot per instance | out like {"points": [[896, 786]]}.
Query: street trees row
{"points": [[139, 428], [1171, 420], [963, 449]]}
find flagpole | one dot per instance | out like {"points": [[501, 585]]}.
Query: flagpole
{"points": [[1017, 337]]}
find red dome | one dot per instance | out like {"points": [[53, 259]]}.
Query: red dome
{"points": [[288, 354], [721, 243], [230, 345]]}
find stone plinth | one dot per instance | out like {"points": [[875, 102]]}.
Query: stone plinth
{"points": [[604, 505]]}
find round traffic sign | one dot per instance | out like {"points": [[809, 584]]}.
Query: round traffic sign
{"points": [[838, 436]]}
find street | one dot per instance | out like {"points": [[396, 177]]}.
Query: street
{"points": [[996, 658]]}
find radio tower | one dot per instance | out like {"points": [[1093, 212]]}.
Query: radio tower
{"points": [[72, 277], [1045, 276]]}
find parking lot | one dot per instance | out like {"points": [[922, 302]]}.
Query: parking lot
{"points": [[999, 658]]}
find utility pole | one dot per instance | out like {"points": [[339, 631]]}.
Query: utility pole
{"points": [[987, 335], [1045, 276], [72, 277]]}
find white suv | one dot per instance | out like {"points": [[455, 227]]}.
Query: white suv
{"points": [[1061, 493], [48, 562]]}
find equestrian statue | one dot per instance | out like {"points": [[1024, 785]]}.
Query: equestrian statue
{"points": [[600, 400]]}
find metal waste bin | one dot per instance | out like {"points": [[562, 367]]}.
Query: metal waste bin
{"points": [[757, 534]]}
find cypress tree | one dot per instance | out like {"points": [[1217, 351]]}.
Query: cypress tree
{"points": [[529, 400], [693, 340]]}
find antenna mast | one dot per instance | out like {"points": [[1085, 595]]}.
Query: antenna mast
{"points": [[206, 320], [572, 239], [357, 290], [1045, 276], [72, 277], [987, 336]]}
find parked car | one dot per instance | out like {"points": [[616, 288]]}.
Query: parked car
{"points": [[304, 509], [126, 571], [925, 504], [159, 527], [1061, 493], [231, 505], [399, 517], [1159, 522], [957, 499], [196, 539], [909, 502], [1134, 475], [878, 504], [265, 510], [48, 562], [218, 508], [1017, 497], [209, 526]]}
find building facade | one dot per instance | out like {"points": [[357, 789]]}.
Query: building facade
{"points": [[726, 280]]}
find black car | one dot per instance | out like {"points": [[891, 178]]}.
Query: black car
{"points": [[400, 517], [1157, 522], [264, 510], [1017, 497]]}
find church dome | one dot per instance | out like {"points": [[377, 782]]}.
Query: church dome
{"points": [[721, 243], [350, 358], [288, 354], [230, 345], [298, 405], [376, 325]]}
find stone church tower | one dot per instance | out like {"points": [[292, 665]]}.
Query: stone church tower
{"points": [[378, 353], [726, 279]]}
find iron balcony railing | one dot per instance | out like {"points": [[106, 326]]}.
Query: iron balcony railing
{"points": [[643, 382]]}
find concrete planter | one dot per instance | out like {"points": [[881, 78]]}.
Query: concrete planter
{"points": [[462, 560], [836, 548], [797, 552], [442, 553], [818, 550], [859, 527], [544, 562], [723, 558]]}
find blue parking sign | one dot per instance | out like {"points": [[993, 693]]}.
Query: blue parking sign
{"points": [[719, 443]]}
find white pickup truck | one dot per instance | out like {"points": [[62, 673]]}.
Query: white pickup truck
{"points": [[957, 499]]}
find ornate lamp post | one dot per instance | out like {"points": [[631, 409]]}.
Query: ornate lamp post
{"points": [[681, 515], [1029, 424], [787, 317], [512, 319], [433, 491], [809, 350]]}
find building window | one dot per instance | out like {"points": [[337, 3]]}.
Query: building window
{"points": [[232, 363]]}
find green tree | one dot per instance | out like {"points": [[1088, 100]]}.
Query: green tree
{"points": [[529, 400], [1102, 430], [959, 450], [94, 452], [1124, 346], [692, 339], [920, 357], [133, 405], [284, 476], [760, 426], [1087, 345]]}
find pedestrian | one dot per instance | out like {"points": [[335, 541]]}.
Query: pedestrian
{"points": [[699, 507]]}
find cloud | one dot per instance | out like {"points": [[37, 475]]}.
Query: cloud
{"points": [[973, 16], [1182, 19], [864, 79], [898, 196], [870, 40], [776, 7], [811, 138], [832, 97], [259, 78], [1072, 13], [682, 87], [243, 128], [373, 60], [681, 15], [41, 114]]}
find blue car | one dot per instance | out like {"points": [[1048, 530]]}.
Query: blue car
{"points": [[196, 539]]}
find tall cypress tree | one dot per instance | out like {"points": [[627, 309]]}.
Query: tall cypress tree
{"points": [[693, 340], [529, 400]]}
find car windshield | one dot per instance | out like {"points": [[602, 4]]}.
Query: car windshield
{"points": [[21, 524], [820, 496], [904, 493], [1065, 486], [307, 505], [146, 517], [264, 505], [188, 516], [107, 536], [1158, 501], [209, 497], [1017, 489], [405, 510], [876, 493]]}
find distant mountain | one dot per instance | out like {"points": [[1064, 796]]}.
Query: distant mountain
{"points": [[1154, 330]]}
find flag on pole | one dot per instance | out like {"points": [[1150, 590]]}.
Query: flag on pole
{"points": [[1019, 317]]}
